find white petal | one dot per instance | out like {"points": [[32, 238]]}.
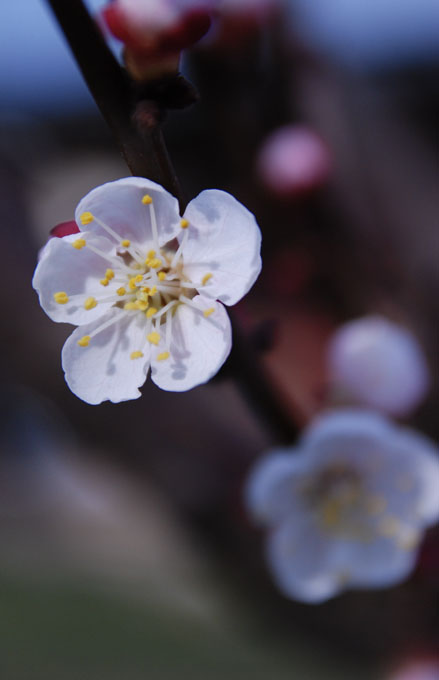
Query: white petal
{"points": [[75, 272], [376, 564], [223, 240], [104, 370], [271, 490], [379, 363], [421, 458], [301, 561], [198, 348], [119, 205]]}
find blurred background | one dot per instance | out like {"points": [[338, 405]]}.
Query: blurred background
{"points": [[125, 550]]}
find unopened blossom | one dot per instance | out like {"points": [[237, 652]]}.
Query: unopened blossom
{"points": [[293, 160], [379, 363], [347, 507], [154, 32], [147, 287]]}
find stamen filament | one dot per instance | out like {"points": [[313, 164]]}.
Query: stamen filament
{"points": [[179, 251]]}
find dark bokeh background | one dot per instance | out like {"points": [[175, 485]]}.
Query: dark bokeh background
{"points": [[125, 551]]}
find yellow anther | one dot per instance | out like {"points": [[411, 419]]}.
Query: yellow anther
{"points": [[375, 505], [90, 303], [86, 218], [84, 341], [150, 254], [184, 223], [136, 355], [145, 290], [389, 526], [138, 278], [161, 276], [126, 243], [79, 243], [109, 274], [61, 298], [153, 338], [206, 278], [104, 282], [142, 305], [208, 312], [146, 200], [132, 283], [154, 263], [121, 291], [153, 290], [151, 311], [130, 306], [162, 356]]}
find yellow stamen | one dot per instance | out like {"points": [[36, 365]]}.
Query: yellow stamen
{"points": [[184, 223], [142, 305], [136, 355], [132, 283], [86, 218], [162, 356], [151, 311], [375, 505], [90, 303], [130, 306], [126, 243], [208, 312], [121, 291], [154, 263], [150, 254], [84, 341], [104, 282], [109, 274], [206, 278], [138, 278], [61, 298], [146, 200], [153, 290], [153, 338], [79, 243], [161, 276]]}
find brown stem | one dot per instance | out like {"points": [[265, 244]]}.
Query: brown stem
{"points": [[145, 154]]}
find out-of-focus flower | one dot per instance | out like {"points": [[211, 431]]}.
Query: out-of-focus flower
{"points": [[154, 32], [293, 160], [145, 287], [380, 364], [421, 669], [347, 507]]}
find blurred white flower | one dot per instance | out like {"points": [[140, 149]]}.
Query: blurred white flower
{"points": [[143, 286], [380, 364], [347, 506]]}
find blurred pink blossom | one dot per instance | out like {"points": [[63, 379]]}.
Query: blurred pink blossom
{"points": [[418, 670], [293, 160], [380, 364]]}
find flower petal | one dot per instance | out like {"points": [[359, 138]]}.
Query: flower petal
{"points": [[271, 490], [223, 240], [119, 205], [300, 559], [75, 272], [104, 370], [198, 348]]}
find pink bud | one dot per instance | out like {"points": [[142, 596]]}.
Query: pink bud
{"points": [[294, 160]]}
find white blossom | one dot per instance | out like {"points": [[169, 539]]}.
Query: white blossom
{"points": [[380, 364], [145, 287], [347, 506]]}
